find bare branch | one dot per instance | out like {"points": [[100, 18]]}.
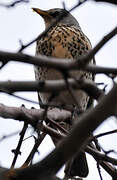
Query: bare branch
{"points": [[100, 157], [104, 40], [99, 171], [23, 98], [105, 165], [58, 126], [17, 150], [51, 86], [109, 169], [108, 1], [64, 64], [13, 3], [32, 115], [100, 70], [106, 133], [34, 149], [8, 136], [52, 132]]}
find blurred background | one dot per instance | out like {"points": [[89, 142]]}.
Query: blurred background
{"points": [[20, 23]]}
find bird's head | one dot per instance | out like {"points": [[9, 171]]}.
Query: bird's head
{"points": [[52, 14]]}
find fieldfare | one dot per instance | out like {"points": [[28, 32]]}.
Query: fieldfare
{"points": [[64, 40]]}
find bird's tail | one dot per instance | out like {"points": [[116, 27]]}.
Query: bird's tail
{"points": [[77, 166]]}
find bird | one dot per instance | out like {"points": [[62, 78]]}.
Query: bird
{"points": [[64, 40]]}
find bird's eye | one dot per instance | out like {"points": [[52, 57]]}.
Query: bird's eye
{"points": [[54, 14]]}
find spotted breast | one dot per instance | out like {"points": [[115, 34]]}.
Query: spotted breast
{"points": [[63, 41]]}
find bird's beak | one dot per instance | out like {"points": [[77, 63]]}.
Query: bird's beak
{"points": [[41, 12]]}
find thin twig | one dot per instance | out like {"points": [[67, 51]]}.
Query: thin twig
{"points": [[34, 149], [58, 126], [44, 105], [8, 136], [52, 132], [100, 156], [11, 5], [106, 166], [70, 89], [17, 150], [99, 171], [99, 45], [106, 133], [107, 1]]}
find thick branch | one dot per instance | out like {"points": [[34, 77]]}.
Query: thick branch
{"points": [[43, 61], [100, 70], [32, 115], [51, 86]]}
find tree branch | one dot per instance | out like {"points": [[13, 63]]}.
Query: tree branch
{"points": [[34, 149], [13, 3], [101, 157], [32, 115], [100, 70], [108, 1], [51, 86], [17, 150], [105, 133]]}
